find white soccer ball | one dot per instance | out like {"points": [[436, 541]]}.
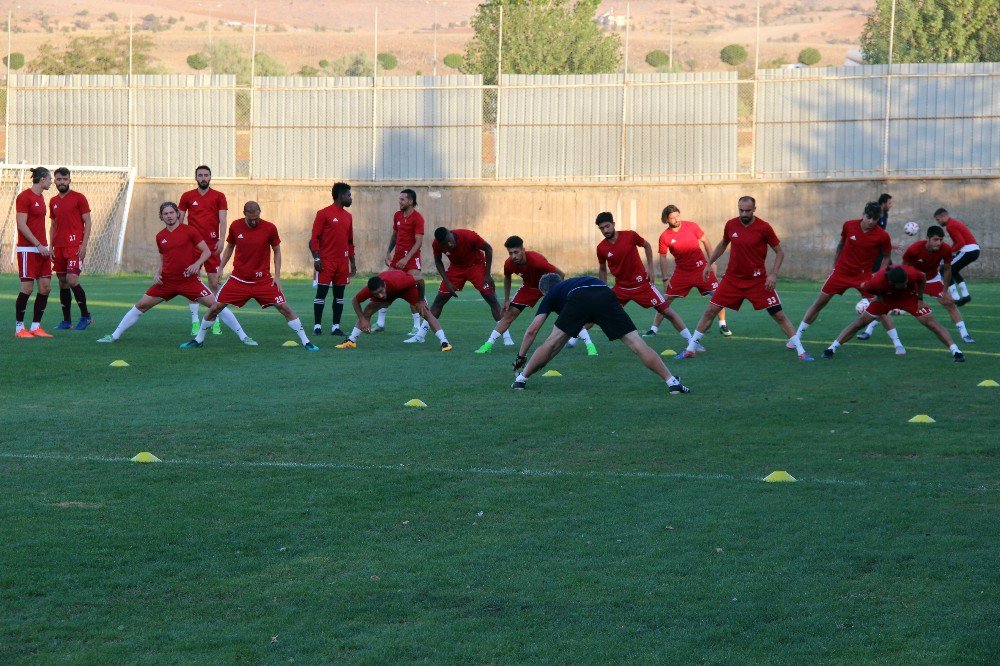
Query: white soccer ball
{"points": [[862, 305], [911, 228]]}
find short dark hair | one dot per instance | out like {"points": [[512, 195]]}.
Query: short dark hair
{"points": [[896, 274], [441, 234], [62, 171], [940, 211], [668, 210], [339, 188], [203, 167], [934, 231], [747, 197], [883, 198], [512, 242], [375, 282], [548, 281], [872, 210], [168, 204], [38, 173], [605, 217], [410, 193]]}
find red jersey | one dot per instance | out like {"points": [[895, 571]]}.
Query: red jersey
{"points": [[622, 258], [467, 251], [685, 244], [179, 249], [396, 282], [748, 247], [918, 256], [860, 248], [333, 233], [533, 268], [252, 259], [406, 228], [880, 286], [34, 206], [203, 213], [960, 234], [67, 211]]}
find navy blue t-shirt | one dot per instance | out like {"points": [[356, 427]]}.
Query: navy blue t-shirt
{"points": [[556, 298]]}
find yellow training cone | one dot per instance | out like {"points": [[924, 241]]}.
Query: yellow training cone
{"points": [[552, 373], [145, 457], [416, 402], [289, 343], [119, 364], [779, 476], [668, 352], [922, 418], [987, 382]]}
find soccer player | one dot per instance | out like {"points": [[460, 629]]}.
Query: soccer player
{"points": [[383, 289], [470, 259], [206, 210], [183, 251], [531, 266], [253, 240], [70, 231], [580, 301], [885, 205], [897, 288], [690, 249], [332, 248], [861, 241], [746, 276], [404, 250], [966, 250], [933, 257], [33, 254]]}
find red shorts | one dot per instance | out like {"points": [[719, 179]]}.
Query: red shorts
{"points": [[837, 283], [190, 288], [681, 282], [934, 289], [645, 295], [31, 265], [237, 292], [66, 260], [909, 304], [212, 264], [476, 275], [733, 291], [412, 265], [526, 297], [335, 272]]}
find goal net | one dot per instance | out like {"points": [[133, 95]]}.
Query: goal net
{"points": [[109, 193]]}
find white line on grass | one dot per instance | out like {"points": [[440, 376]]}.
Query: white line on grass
{"points": [[483, 471]]}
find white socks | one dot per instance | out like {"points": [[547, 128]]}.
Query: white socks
{"points": [[127, 322], [507, 339], [799, 349], [871, 327], [206, 325], [416, 319], [296, 325], [381, 318], [585, 336], [494, 336], [656, 329], [693, 340], [894, 336], [440, 335], [954, 348], [722, 322], [961, 328], [520, 377], [962, 289], [673, 381], [355, 332], [229, 319], [193, 306], [834, 345], [801, 329], [686, 334]]}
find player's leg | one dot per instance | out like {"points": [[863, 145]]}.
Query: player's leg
{"points": [[959, 290], [652, 360], [930, 322], [73, 280], [502, 327], [664, 311], [892, 332], [542, 355], [813, 312], [371, 308], [418, 276], [863, 320], [723, 329], [132, 316], [338, 308], [214, 310], [785, 324], [704, 323], [956, 317], [21, 306], [214, 287], [439, 302], [433, 323], [65, 302], [295, 324], [319, 302], [41, 300], [494, 303]]}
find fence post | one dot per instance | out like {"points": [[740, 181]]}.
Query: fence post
{"points": [[375, 104], [624, 135], [253, 99], [753, 118], [888, 92], [6, 83], [496, 122]]}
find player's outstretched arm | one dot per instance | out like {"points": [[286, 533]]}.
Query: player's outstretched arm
{"points": [[226, 255], [195, 268], [772, 276], [488, 251], [87, 225], [650, 266], [222, 229], [277, 265], [418, 241], [392, 246], [664, 269], [506, 291], [439, 265], [602, 269], [836, 253], [717, 253], [707, 249], [531, 334]]}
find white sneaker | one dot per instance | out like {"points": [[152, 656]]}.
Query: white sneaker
{"points": [[900, 351], [508, 342], [414, 339]]}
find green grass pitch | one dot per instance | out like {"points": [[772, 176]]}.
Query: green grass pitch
{"points": [[303, 514]]}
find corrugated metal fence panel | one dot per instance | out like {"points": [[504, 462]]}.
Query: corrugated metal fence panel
{"points": [[316, 127], [560, 126], [430, 128], [181, 121], [682, 128], [75, 119], [945, 119]]}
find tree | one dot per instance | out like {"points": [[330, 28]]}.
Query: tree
{"points": [[387, 61], [540, 37], [308, 70], [96, 55], [265, 65], [455, 61], [657, 59], [15, 62], [809, 56], [734, 54], [198, 61], [933, 31]]}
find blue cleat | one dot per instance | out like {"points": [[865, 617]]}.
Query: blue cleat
{"points": [[192, 344], [64, 326], [806, 357], [83, 323], [310, 346]]}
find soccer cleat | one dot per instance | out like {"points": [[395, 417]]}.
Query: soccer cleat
{"points": [[414, 331], [864, 335], [967, 338], [107, 338], [958, 357], [83, 323], [347, 344], [828, 354], [40, 333], [192, 344], [485, 349], [789, 345], [687, 353], [570, 344], [591, 349], [335, 331], [249, 342], [195, 327], [677, 389], [318, 329], [311, 347], [378, 328], [900, 350], [806, 357], [64, 326], [508, 342], [962, 301], [649, 334], [518, 386], [414, 339], [724, 330], [698, 347], [446, 346], [216, 328], [25, 333]]}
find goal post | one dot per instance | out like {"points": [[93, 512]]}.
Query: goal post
{"points": [[109, 193]]}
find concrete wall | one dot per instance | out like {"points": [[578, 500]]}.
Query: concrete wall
{"points": [[558, 220]]}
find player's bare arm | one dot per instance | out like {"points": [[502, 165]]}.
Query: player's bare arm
{"points": [[195, 268], [158, 275], [364, 324], [717, 253], [317, 262], [392, 246], [222, 229], [22, 226], [226, 255], [86, 236], [772, 276], [664, 269], [52, 232], [602, 270], [836, 253], [276, 249], [445, 282], [488, 251], [707, 249], [506, 292], [418, 240], [650, 270], [530, 335], [354, 267]]}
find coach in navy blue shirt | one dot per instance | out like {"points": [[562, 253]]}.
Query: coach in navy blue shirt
{"points": [[580, 301]]}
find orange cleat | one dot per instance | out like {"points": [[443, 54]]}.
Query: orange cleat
{"points": [[23, 333], [40, 333]]}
